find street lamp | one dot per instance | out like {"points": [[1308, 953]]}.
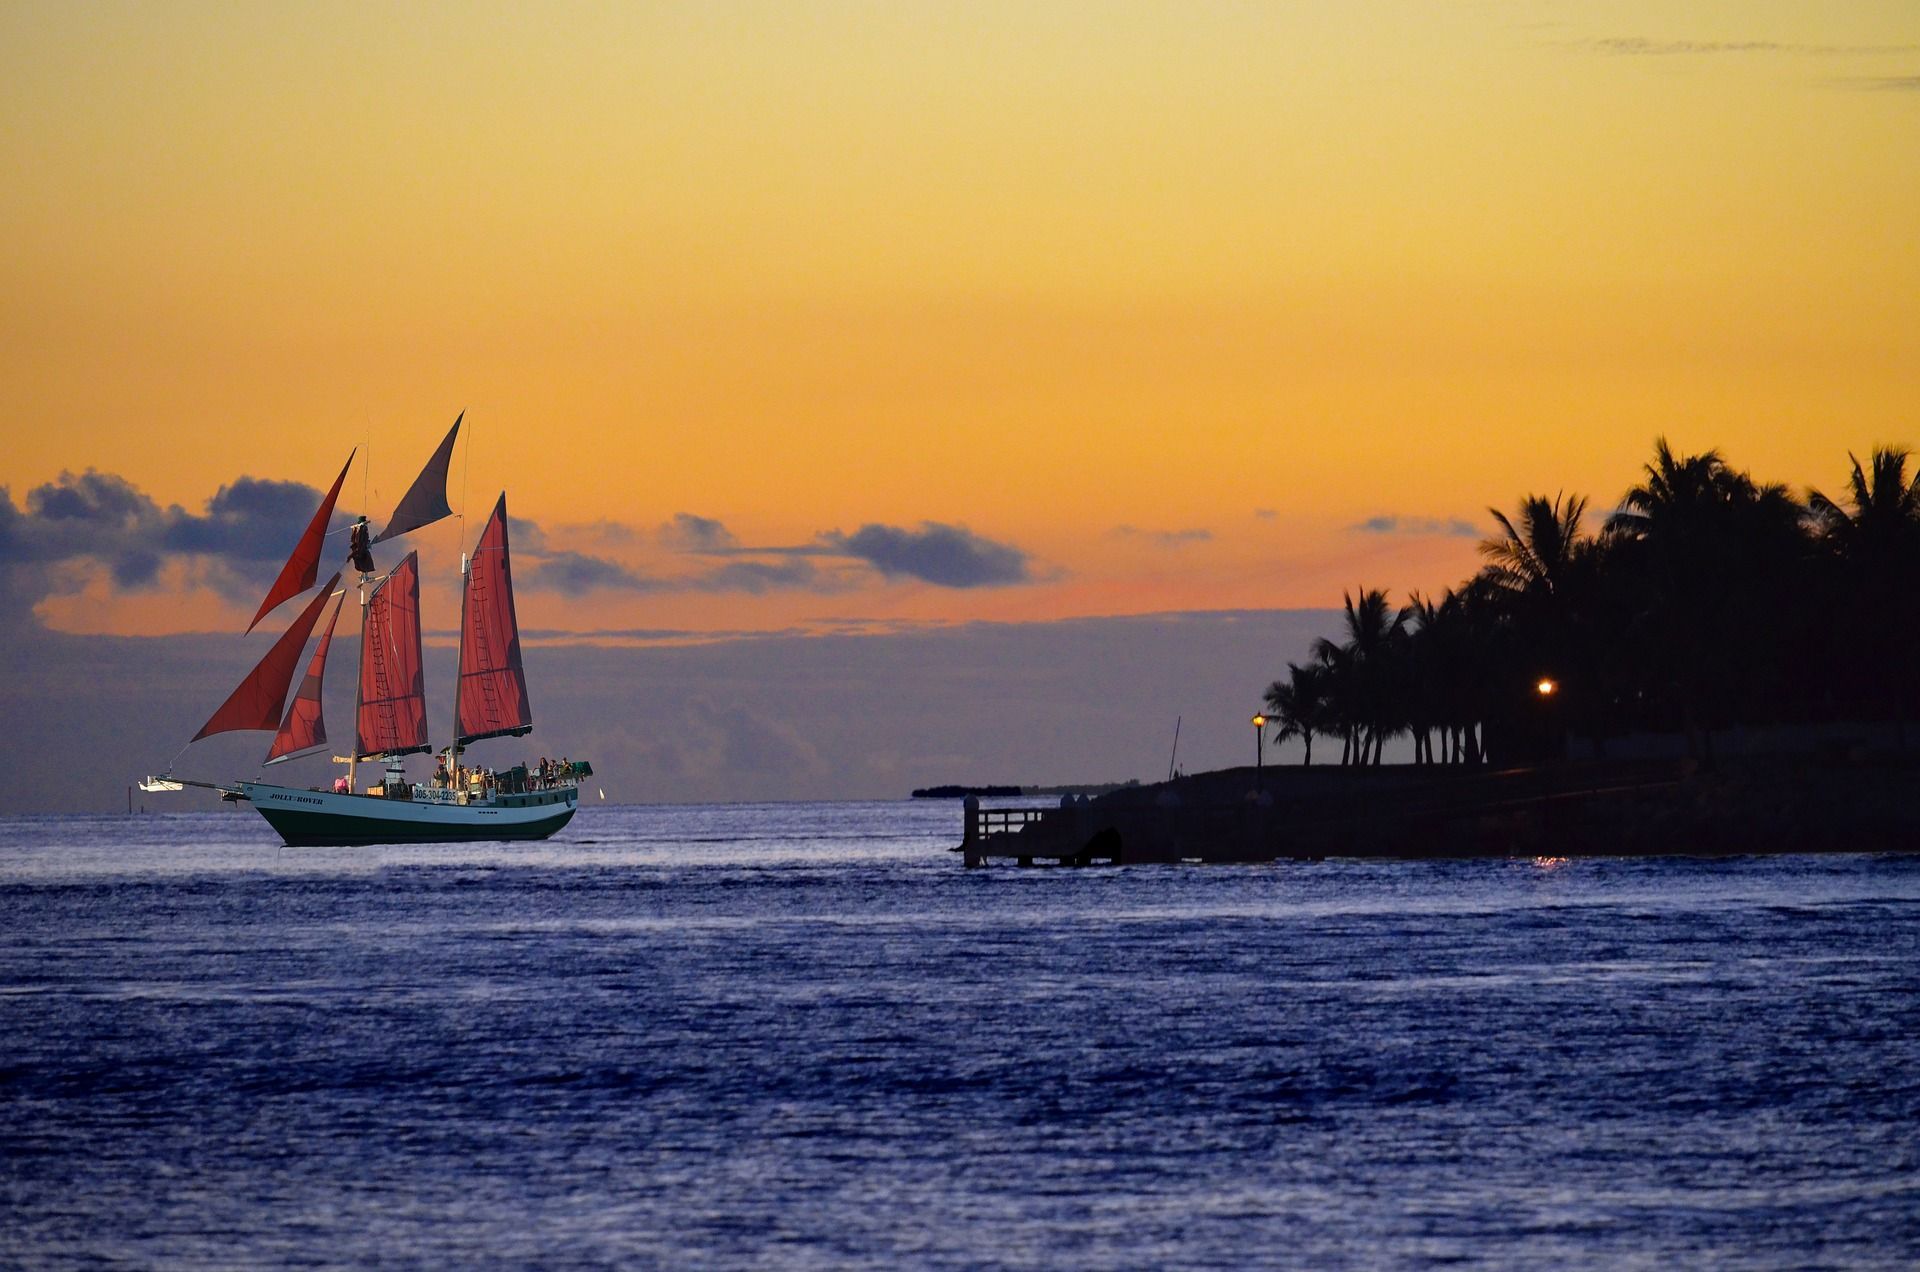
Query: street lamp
{"points": [[1259, 741], [1547, 686]]}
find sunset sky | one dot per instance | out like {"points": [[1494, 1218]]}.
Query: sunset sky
{"points": [[855, 316]]}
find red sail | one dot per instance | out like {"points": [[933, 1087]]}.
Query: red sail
{"points": [[393, 701], [303, 567], [493, 688], [303, 728], [426, 500], [255, 704]]}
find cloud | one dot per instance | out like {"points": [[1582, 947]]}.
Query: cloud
{"points": [[1169, 539], [690, 533], [250, 525], [1392, 523], [1266, 514], [239, 541], [1641, 46], [93, 516], [1883, 83], [944, 555], [525, 536], [644, 635], [93, 499], [575, 573], [757, 577]]}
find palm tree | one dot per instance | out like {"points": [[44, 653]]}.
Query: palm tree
{"points": [[1535, 556], [1540, 576], [1874, 542], [1420, 683], [1882, 521], [1334, 665], [1299, 704], [1714, 550], [1374, 634], [1676, 492]]}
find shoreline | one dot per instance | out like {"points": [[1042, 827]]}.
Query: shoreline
{"points": [[1751, 806]]}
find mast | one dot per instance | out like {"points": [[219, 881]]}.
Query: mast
{"points": [[353, 752], [424, 503], [454, 748]]}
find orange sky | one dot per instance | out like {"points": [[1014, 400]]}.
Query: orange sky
{"points": [[1040, 270]]}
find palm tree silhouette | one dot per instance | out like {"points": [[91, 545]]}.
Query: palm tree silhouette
{"points": [[1299, 705], [1714, 548], [1882, 519], [1708, 600], [1874, 540], [1535, 556], [1362, 668]]}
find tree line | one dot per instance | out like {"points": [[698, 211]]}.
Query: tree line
{"points": [[1705, 600]]}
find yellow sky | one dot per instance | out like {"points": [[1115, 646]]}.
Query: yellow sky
{"points": [[1042, 270]]}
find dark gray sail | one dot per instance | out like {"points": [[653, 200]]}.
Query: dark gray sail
{"points": [[426, 500]]}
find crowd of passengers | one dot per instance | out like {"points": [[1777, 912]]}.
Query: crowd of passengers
{"points": [[485, 782], [514, 781]]}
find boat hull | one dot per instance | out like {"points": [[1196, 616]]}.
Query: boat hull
{"points": [[312, 819]]}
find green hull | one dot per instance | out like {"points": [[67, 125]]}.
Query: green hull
{"points": [[301, 829]]}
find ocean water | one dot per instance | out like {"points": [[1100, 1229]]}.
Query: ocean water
{"points": [[801, 1035]]}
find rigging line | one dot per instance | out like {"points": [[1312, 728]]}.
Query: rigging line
{"points": [[466, 471]]}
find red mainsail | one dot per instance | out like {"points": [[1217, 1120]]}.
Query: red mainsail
{"points": [[303, 728], [426, 500], [493, 687], [255, 704], [393, 701], [303, 567]]}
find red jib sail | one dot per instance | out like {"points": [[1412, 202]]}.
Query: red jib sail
{"points": [[303, 567], [303, 728], [393, 701], [255, 704], [426, 500], [493, 688]]}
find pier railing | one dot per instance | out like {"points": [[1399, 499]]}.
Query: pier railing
{"points": [[1005, 821]]}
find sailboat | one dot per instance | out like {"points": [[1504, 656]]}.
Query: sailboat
{"points": [[459, 802]]}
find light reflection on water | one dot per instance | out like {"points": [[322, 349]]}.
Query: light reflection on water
{"points": [[802, 1034]]}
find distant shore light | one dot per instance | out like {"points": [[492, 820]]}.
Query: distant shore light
{"points": [[1547, 687]]}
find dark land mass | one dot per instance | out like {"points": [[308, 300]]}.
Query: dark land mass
{"points": [[1754, 804], [960, 792], [1090, 789]]}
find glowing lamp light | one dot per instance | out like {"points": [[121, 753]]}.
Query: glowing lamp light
{"points": [[1259, 722], [1547, 687]]}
